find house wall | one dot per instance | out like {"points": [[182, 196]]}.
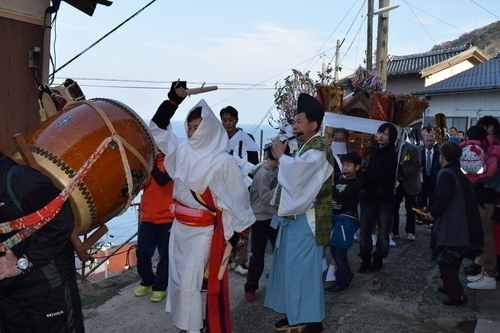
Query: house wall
{"points": [[404, 84], [448, 72], [463, 110], [21, 30]]}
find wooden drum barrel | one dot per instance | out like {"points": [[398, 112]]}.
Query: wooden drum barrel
{"points": [[65, 141]]}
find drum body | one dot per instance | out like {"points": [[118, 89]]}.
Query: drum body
{"points": [[64, 142]]}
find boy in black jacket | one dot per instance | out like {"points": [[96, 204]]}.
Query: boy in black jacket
{"points": [[345, 219]]}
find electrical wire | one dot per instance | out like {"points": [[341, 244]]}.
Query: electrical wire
{"points": [[100, 39], [319, 51], [423, 27], [434, 16], [484, 9]]}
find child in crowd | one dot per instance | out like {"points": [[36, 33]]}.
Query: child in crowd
{"points": [[345, 221]]}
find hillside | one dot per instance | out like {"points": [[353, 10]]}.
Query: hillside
{"points": [[486, 38]]}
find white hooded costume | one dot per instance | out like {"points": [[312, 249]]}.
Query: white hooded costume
{"points": [[194, 164]]}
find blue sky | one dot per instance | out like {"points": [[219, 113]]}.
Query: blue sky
{"points": [[243, 47]]}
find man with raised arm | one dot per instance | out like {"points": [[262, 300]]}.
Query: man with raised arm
{"points": [[212, 204]]}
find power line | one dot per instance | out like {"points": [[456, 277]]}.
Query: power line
{"points": [[163, 82], [485, 9], [433, 16], [319, 51], [428, 34], [100, 39]]}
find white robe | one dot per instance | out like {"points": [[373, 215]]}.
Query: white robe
{"points": [[194, 164]]}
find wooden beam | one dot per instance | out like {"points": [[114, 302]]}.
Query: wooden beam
{"points": [[25, 152]]}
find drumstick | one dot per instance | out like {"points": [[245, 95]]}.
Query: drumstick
{"points": [[225, 261], [194, 91]]}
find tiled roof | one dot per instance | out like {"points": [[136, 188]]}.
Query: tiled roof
{"points": [[414, 63], [482, 77]]}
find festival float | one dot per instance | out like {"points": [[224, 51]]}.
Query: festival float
{"points": [[361, 111]]}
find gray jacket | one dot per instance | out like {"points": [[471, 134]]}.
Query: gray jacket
{"points": [[262, 190], [409, 168]]}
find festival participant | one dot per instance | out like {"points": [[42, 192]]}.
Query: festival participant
{"points": [[38, 290], [302, 215], [248, 152], [452, 131], [212, 204], [154, 231], [377, 198], [408, 176], [457, 231], [430, 167], [262, 190]]}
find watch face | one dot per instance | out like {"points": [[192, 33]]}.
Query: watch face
{"points": [[23, 263]]}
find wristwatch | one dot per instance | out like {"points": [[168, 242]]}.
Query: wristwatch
{"points": [[23, 264]]}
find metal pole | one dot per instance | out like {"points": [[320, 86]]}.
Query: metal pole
{"points": [[369, 42]]}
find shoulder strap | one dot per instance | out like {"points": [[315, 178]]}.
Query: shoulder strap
{"points": [[12, 195]]}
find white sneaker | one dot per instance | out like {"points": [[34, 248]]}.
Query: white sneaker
{"points": [[330, 275], [241, 269], [410, 237], [486, 282], [374, 240], [324, 264], [475, 278], [356, 238], [391, 242]]}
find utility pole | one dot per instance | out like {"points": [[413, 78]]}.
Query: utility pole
{"points": [[382, 39], [369, 42], [337, 61]]}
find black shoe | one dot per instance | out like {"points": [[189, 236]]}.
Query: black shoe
{"points": [[283, 325], [377, 264], [456, 302], [473, 269], [365, 266], [442, 290], [314, 328], [335, 289], [349, 281]]}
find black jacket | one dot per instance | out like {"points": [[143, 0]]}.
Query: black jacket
{"points": [[379, 179], [48, 248]]}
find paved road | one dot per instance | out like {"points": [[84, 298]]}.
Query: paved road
{"points": [[401, 298]]}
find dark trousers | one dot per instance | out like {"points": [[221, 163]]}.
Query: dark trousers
{"points": [[371, 213], [451, 282], [427, 194], [151, 236], [54, 311], [410, 201], [261, 233], [343, 269]]}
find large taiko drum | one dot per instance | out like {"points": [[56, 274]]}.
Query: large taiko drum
{"points": [[64, 142]]}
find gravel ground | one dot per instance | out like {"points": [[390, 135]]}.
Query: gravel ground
{"points": [[401, 298]]}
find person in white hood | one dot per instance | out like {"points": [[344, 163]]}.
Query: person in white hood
{"points": [[212, 204]]}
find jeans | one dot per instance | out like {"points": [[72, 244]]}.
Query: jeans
{"points": [[343, 269], [371, 213], [261, 232], [410, 201], [151, 236]]}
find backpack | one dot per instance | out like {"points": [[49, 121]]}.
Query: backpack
{"points": [[472, 160]]}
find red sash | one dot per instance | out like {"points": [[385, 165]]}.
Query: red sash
{"points": [[218, 314]]}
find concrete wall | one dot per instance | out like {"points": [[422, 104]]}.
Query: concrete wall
{"points": [[463, 110], [448, 72]]}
